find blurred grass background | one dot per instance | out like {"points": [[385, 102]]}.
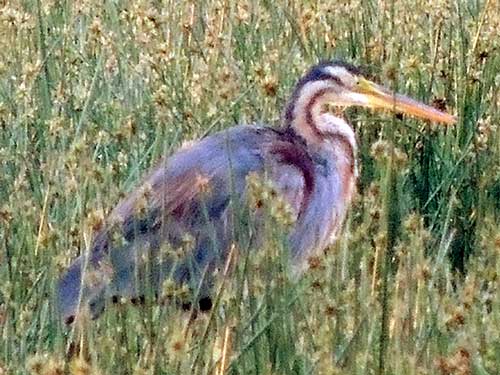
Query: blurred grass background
{"points": [[92, 93]]}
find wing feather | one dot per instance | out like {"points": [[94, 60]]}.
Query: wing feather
{"points": [[188, 193]]}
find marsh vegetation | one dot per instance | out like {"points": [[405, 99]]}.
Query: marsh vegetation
{"points": [[94, 93]]}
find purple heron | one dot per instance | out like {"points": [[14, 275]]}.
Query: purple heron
{"points": [[310, 160]]}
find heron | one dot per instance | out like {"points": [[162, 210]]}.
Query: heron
{"points": [[310, 160]]}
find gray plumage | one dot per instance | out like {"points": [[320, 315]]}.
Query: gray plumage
{"points": [[190, 193]]}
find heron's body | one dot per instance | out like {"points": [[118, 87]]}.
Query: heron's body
{"points": [[310, 162]]}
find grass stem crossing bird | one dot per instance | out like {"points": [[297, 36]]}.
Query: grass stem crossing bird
{"points": [[310, 160]]}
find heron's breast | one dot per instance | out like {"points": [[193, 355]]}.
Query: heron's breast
{"points": [[334, 189]]}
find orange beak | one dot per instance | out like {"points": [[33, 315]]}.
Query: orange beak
{"points": [[377, 97]]}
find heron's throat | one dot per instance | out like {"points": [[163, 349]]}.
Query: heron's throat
{"points": [[307, 115]]}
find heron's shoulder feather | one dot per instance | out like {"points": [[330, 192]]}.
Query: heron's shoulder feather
{"points": [[203, 177]]}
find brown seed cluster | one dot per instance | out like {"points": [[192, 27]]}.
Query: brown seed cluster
{"points": [[458, 364], [264, 198]]}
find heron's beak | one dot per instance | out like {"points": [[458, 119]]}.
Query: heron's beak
{"points": [[377, 97]]}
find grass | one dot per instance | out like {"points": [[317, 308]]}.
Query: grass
{"points": [[93, 93]]}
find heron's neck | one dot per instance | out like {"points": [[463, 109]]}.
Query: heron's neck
{"points": [[339, 143], [306, 115], [322, 131]]}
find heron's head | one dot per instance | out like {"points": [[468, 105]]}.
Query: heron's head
{"points": [[342, 85]]}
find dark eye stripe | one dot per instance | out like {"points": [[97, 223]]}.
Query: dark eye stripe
{"points": [[314, 75], [336, 80], [321, 76]]}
